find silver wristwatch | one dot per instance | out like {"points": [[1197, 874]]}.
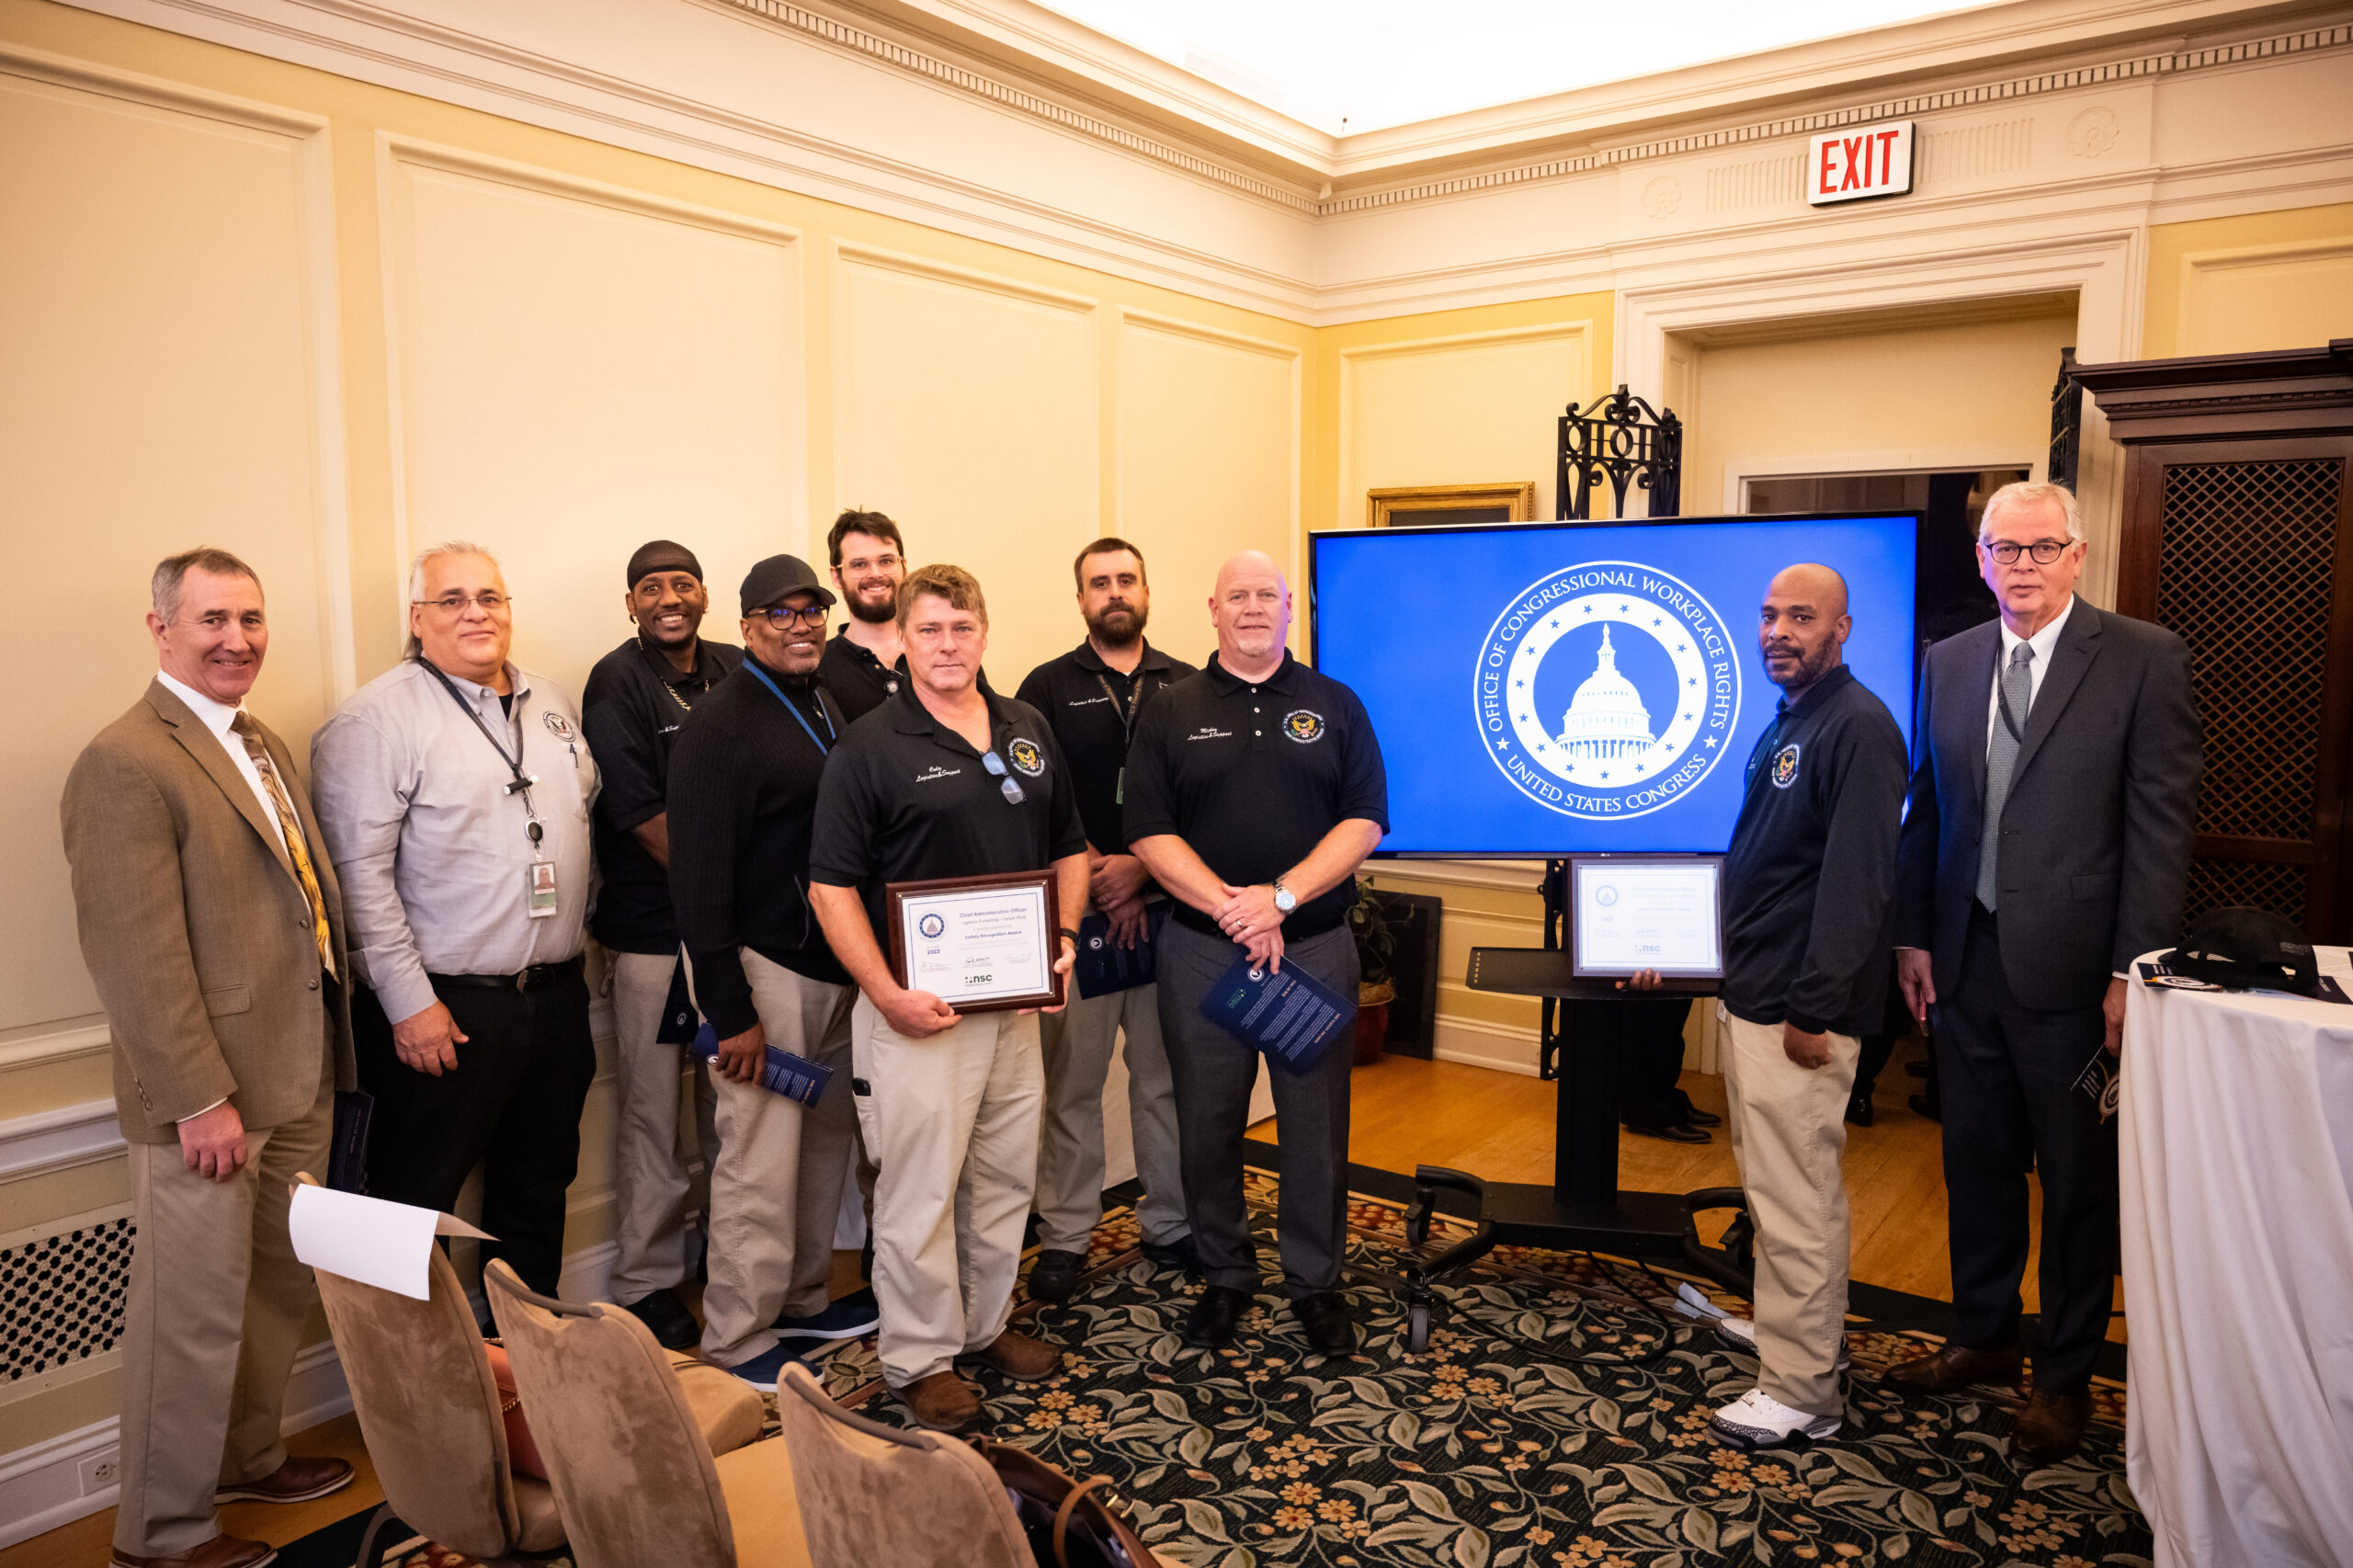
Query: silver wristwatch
{"points": [[1285, 900]]}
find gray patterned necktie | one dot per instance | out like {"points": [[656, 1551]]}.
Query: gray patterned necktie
{"points": [[2001, 755]]}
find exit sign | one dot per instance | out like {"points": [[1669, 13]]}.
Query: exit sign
{"points": [[1851, 166]]}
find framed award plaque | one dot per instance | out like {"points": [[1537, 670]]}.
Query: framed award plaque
{"points": [[980, 944]]}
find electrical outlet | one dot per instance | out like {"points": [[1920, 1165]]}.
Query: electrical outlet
{"points": [[101, 1471]]}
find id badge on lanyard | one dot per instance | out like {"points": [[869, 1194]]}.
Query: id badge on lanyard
{"points": [[541, 895]]}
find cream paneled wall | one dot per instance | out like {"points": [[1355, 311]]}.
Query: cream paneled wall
{"points": [[168, 372], [578, 367], [967, 406], [1459, 409], [1208, 461]]}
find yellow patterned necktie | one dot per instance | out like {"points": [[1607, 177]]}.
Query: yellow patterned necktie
{"points": [[290, 829]]}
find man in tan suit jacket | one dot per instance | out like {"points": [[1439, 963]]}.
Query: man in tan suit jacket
{"points": [[213, 925]]}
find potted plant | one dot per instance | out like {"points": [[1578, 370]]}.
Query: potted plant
{"points": [[1376, 942]]}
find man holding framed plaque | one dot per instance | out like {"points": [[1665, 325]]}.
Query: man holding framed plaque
{"points": [[1254, 791], [1809, 892], [947, 831]]}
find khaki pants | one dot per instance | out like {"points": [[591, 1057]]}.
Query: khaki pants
{"points": [[1076, 1046], [652, 1172], [952, 1122], [777, 1182], [217, 1307], [1789, 1131]]}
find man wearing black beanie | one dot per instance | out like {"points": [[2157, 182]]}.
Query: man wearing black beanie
{"points": [[637, 697]]}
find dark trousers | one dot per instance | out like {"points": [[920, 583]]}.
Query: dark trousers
{"points": [[2008, 1073], [513, 1107], [1214, 1073], [1652, 1064]]}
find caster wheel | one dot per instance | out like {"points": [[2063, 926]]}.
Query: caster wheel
{"points": [[1417, 1328], [1418, 1225]]}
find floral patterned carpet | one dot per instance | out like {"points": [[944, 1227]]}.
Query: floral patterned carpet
{"points": [[1556, 1421]]}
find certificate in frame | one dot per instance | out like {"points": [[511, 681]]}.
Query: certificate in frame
{"points": [[980, 944], [1628, 912]]}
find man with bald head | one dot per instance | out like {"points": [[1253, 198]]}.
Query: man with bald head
{"points": [[1809, 889], [1253, 791]]}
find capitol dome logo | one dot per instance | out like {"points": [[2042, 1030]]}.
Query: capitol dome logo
{"points": [[1607, 690]]}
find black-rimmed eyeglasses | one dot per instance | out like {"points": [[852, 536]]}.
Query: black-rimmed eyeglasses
{"points": [[2043, 550], [1005, 780], [785, 615]]}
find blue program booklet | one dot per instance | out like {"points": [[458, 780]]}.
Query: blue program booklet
{"points": [[1292, 1016], [1102, 966], [794, 1078]]}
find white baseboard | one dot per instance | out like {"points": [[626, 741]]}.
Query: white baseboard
{"points": [[41, 1486], [1485, 1045]]}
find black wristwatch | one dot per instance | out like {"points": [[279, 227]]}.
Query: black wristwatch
{"points": [[1071, 935]]}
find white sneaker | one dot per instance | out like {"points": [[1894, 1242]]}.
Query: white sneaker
{"points": [[1739, 1334], [1755, 1420]]}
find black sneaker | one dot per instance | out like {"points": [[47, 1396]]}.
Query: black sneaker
{"points": [[673, 1327], [1178, 1254], [1054, 1277]]}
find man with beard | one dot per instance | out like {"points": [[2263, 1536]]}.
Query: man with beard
{"points": [[1809, 891], [637, 699], [866, 663], [946, 779], [742, 792], [1092, 697], [1254, 791]]}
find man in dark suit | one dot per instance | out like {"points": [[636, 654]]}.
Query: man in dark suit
{"points": [[213, 925], [2054, 788]]}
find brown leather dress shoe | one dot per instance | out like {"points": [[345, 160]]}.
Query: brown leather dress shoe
{"points": [[945, 1402], [1955, 1368], [2051, 1427], [296, 1480], [221, 1551], [1021, 1357]]}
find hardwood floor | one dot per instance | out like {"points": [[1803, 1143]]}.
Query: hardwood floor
{"points": [[1404, 1112]]}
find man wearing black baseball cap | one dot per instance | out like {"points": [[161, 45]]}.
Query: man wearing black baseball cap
{"points": [[743, 794], [638, 698]]}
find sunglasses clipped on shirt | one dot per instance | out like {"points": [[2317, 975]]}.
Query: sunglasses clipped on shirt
{"points": [[1005, 780]]}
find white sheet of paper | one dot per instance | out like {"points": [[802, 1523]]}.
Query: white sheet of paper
{"points": [[990, 942], [367, 1239], [1647, 916]]}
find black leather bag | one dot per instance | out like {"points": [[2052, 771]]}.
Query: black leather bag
{"points": [[1071, 1524]]}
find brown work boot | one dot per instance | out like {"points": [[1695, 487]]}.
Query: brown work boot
{"points": [[296, 1480], [1954, 1367], [1018, 1357], [2051, 1427], [945, 1402], [221, 1551]]}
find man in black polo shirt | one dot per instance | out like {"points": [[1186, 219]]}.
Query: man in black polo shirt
{"points": [[1092, 697], [945, 779], [865, 664], [742, 792], [1809, 891], [1255, 789], [637, 699]]}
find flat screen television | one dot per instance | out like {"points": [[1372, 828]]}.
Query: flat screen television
{"points": [[1542, 689]]}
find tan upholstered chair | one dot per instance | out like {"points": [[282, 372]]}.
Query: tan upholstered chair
{"points": [[634, 1483], [873, 1494], [429, 1415]]}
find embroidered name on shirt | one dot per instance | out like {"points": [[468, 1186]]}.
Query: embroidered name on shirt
{"points": [[938, 773], [1210, 732]]}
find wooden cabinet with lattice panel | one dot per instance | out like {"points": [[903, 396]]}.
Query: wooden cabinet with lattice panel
{"points": [[2238, 534]]}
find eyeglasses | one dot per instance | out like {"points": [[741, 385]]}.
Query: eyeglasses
{"points": [[785, 615], [995, 766], [2044, 550], [490, 600]]}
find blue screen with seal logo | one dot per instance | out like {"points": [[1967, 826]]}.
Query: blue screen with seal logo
{"points": [[1548, 688]]}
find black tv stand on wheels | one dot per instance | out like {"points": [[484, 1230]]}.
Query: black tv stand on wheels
{"points": [[1584, 1209]]}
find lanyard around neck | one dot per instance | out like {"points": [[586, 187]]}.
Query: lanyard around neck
{"points": [[761, 675], [522, 781]]}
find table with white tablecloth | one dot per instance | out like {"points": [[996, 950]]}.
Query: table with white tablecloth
{"points": [[2236, 1144]]}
